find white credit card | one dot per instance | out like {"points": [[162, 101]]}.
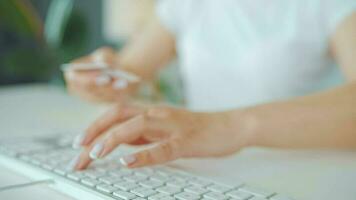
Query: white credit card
{"points": [[84, 66]]}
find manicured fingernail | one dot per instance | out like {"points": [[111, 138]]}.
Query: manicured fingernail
{"points": [[96, 151], [120, 84], [73, 163], [102, 80], [127, 160], [77, 142]]}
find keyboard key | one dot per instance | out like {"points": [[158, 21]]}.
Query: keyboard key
{"points": [[170, 190], [106, 188], [76, 176], [151, 183], [110, 179], [90, 182], [281, 197], [158, 196], [143, 192], [158, 177], [219, 188], [169, 198], [178, 183], [47, 167], [215, 196], [256, 191], [164, 172], [200, 182], [196, 190], [124, 195], [135, 178], [94, 174], [61, 171], [126, 185], [240, 195], [258, 198], [120, 173], [182, 177], [144, 172], [187, 196]]}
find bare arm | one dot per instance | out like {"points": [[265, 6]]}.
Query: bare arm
{"points": [[327, 119], [148, 51]]}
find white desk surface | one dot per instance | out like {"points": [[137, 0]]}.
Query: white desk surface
{"points": [[306, 175]]}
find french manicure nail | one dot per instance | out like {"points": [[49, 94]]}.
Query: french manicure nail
{"points": [[73, 163], [77, 142], [96, 151], [127, 160], [102, 80], [120, 84]]}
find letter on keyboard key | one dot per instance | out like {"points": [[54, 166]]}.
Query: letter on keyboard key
{"points": [[124, 195], [187, 196], [256, 191]]}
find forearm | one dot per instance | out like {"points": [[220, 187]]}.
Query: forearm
{"points": [[149, 51], [325, 120]]}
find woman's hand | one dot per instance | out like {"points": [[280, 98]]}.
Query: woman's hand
{"points": [[177, 132], [95, 86]]}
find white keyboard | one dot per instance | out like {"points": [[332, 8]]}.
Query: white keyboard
{"points": [[107, 179]]}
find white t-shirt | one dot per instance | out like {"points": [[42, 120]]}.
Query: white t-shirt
{"points": [[235, 53]]}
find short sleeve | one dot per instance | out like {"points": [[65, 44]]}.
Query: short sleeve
{"points": [[335, 11], [167, 12]]}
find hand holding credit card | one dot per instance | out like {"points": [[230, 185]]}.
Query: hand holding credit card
{"points": [[107, 73]]}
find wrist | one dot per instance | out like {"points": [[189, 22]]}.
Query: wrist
{"points": [[246, 125], [125, 64]]}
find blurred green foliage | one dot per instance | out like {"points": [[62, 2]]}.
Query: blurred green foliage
{"points": [[31, 48]]}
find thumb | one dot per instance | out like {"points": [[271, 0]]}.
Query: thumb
{"points": [[163, 152], [103, 55]]}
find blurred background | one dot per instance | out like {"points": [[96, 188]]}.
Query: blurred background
{"points": [[37, 36]]}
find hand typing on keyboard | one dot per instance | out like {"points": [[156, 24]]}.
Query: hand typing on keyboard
{"points": [[177, 133]]}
